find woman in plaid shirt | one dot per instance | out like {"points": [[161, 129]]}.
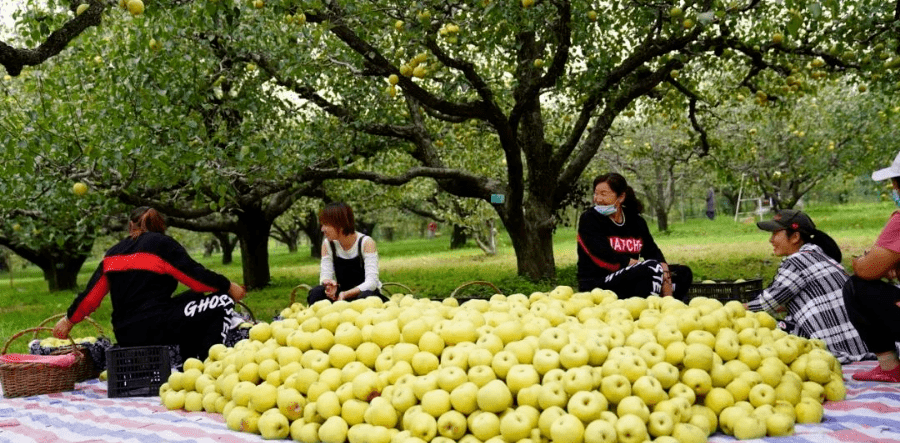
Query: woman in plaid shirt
{"points": [[809, 284]]}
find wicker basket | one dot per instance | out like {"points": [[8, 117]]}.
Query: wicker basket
{"points": [[463, 299], [35, 378], [726, 290], [94, 362]]}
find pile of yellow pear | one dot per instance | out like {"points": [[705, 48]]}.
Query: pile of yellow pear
{"points": [[558, 366]]}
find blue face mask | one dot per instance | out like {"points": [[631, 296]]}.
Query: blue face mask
{"points": [[605, 209], [896, 196]]}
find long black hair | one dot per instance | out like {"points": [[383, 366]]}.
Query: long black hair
{"points": [[820, 239], [619, 185]]}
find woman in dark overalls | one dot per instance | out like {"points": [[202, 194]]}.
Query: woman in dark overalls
{"points": [[349, 268]]}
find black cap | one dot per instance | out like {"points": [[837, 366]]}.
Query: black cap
{"points": [[788, 219]]}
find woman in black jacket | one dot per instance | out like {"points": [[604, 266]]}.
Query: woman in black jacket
{"points": [[141, 273], [617, 252]]}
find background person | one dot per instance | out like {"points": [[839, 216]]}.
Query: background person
{"points": [[140, 273], [872, 301], [349, 266], [809, 284], [617, 252]]}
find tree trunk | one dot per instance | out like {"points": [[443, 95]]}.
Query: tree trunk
{"points": [[254, 241], [662, 219], [488, 244], [292, 243], [659, 203], [459, 237], [314, 233], [60, 264], [532, 239], [365, 228], [289, 235], [731, 196], [62, 273], [211, 245], [227, 244]]}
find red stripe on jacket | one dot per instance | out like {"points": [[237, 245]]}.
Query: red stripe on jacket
{"points": [[144, 261], [605, 265], [92, 300]]}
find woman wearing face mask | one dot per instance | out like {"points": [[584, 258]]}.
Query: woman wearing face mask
{"points": [[872, 296], [808, 284], [617, 252]]}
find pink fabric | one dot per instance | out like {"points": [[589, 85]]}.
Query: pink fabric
{"points": [[63, 361], [871, 414], [890, 235]]}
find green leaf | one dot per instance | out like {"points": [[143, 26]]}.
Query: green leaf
{"points": [[815, 10], [794, 25]]}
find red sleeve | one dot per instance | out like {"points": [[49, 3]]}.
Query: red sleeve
{"points": [[145, 261], [179, 264], [88, 301], [597, 261]]}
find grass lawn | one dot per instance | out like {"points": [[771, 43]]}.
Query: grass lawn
{"points": [[718, 249]]}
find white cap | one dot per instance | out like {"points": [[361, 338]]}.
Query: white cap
{"points": [[891, 171]]}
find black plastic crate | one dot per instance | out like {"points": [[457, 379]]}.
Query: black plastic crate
{"points": [[137, 371], [726, 290]]}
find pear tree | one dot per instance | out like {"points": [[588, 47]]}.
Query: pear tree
{"points": [[318, 84], [543, 84]]}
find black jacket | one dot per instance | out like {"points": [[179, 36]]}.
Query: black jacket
{"points": [[141, 276], [605, 247]]}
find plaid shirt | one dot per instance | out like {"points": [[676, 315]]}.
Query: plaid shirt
{"points": [[810, 284]]}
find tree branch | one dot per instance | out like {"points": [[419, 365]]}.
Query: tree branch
{"points": [[373, 56], [14, 59], [692, 115], [463, 183], [641, 86], [530, 92], [628, 66], [421, 212], [203, 224]]}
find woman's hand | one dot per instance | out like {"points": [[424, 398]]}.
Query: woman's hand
{"points": [[666, 288], [349, 294], [237, 292], [62, 328], [331, 288], [667, 281]]}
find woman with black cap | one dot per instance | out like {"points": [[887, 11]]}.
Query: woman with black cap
{"points": [[872, 296], [141, 272], [809, 284]]}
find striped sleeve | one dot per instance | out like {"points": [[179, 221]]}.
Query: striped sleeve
{"points": [[787, 284]]}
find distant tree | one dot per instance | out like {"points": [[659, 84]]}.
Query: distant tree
{"points": [[786, 149]]}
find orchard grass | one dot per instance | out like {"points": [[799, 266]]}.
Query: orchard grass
{"points": [[714, 249]]}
